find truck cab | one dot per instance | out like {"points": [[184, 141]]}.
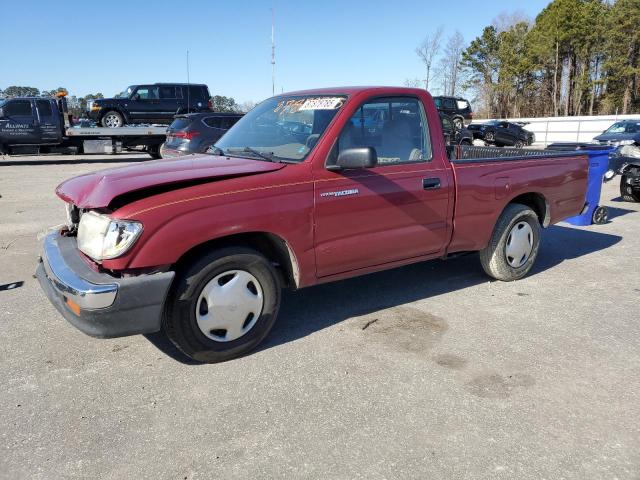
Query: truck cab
{"points": [[29, 121]]}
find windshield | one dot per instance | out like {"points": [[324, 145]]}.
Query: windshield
{"points": [[624, 127], [2, 103], [282, 128], [126, 93]]}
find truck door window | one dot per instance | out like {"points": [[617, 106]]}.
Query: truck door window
{"points": [[44, 108], [18, 108], [395, 127]]}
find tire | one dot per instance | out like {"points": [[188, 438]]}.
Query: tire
{"points": [[627, 192], [489, 137], [187, 309], [498, 259], [466, 142], [155, 152], [519, 144], [458, 123], [112, 119], [600, 216]]}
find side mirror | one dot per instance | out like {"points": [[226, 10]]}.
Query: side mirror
{"points": [[135, 96], [353, 158]]}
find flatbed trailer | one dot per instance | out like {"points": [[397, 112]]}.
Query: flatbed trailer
{"points": [[36, 124]]}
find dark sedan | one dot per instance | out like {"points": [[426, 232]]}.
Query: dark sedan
{"points": [[502, 133], [196, 132], [625, 132]]}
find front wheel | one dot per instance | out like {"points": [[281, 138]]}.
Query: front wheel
{"points": [[627, 192], [222, 305], [514, 244], [519, 144], [112, 119]]}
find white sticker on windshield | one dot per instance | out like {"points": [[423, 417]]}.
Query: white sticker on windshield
{"points": [[322, 103]]}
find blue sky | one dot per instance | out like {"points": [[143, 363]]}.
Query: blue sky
{"points": [[104, 46]]}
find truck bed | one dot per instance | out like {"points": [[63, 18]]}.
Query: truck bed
{"points": [[486, 176]]}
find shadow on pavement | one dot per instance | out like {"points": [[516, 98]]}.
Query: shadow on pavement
{"points": [[309, 310], [312, 309], [11, 286], [615, 212]]}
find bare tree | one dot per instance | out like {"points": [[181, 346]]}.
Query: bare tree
{"points": [[413, 82], [505, 20], [428, 50], [450, 64]]}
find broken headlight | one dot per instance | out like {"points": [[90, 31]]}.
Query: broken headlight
{"points": [[103, 238]]}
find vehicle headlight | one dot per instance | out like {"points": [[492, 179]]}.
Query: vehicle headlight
{"points": [[102, 238], [617, 143]]}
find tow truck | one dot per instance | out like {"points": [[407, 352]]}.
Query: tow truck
{"points": [[40, 125]]}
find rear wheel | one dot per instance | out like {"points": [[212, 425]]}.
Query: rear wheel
{"points": [[513, 247], [112, 119], [627, 192], [222, 305]]}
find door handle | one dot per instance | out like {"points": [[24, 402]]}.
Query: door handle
{"points": [[430, 183]]}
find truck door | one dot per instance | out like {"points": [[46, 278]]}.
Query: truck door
{"points": [[50, 130], [394, 211], [18, 125]]}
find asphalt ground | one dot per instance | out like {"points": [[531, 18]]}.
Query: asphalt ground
{"points": [[427, 371]]}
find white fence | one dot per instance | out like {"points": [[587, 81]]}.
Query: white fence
{"points": [[568, 129]]}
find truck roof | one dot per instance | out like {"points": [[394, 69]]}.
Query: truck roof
{"points": [[354, 90]]}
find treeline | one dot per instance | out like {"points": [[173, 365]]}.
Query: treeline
{"points": [[578, 57]]}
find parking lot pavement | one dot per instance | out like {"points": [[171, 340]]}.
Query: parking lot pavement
{"points": [[428, 371]]}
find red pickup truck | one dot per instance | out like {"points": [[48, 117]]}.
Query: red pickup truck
{"points": [[309, 187]]}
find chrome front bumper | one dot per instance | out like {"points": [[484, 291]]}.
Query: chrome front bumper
{"points": [[85, 294], [108, 306]]}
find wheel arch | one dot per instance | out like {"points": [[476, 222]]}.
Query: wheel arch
{"points": [[537, 202], [272, 246]]}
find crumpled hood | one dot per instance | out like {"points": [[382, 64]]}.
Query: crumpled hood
{"points": [[98, 189]]}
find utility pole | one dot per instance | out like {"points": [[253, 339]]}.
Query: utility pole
{"points": [[273, 53]]}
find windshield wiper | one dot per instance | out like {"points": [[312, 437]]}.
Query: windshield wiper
{"points": [[269, 156]]}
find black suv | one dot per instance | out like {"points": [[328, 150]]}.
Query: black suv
{"points": [[153, 103], [457, 108]]}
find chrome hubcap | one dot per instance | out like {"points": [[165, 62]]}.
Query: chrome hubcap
{"points": [[519, 244], [229, 305], [112, 121]]}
